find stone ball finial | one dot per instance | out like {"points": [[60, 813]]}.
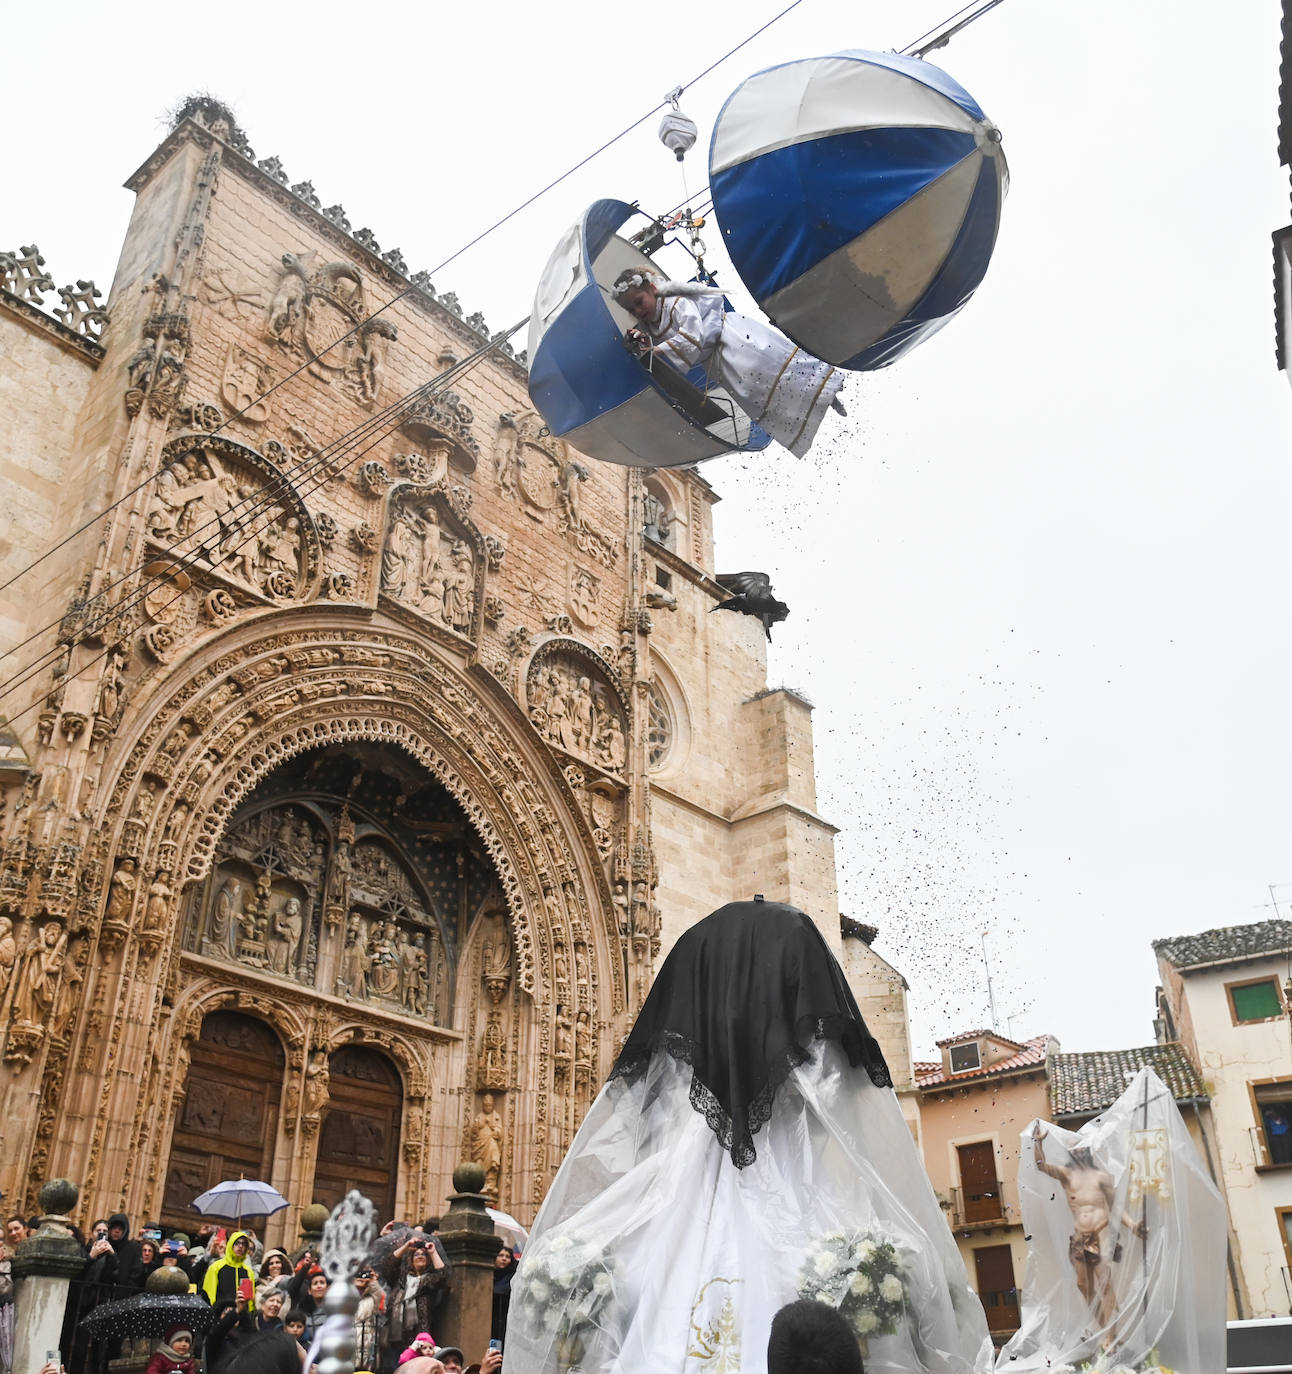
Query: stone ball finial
{"points": [[58, 1197], [314, 1218], [468, 1177], [167, 1280]]}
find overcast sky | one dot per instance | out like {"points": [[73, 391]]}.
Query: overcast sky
{"points": [[1038, 579]]}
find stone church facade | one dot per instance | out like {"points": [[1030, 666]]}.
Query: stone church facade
{"points": [[362, 760]]}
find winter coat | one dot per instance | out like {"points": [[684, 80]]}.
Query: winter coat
{"points": [[221, 1280]]}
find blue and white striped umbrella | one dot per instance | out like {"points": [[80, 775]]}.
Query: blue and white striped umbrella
{"points": [[859, 196]]}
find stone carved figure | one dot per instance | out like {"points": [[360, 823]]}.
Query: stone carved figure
{"points": [[352, 976], [583, 1039], [112, 683], [563, 1035], [383, 963], [571, 497], [8, 955], [286, 315], [403, 557], [416, 969], [226, 912], [486, 1142], [284, 938], [121, 892], [34, 998], [459, 590], [318, 1080], [495, 958], [157, 907], [370, 359]]}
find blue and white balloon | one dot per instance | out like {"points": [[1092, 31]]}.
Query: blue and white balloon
{"points": [[859, 196]]}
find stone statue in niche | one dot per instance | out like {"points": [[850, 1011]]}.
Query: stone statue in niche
{"points": [[283, 943], [38, 982], [563, 1035], [383, 962], [576, 711], [459, 588], [487, 1142], [415, 975], [583, 1039], [8, 954], [352, 976], [121, 893], [318, 1080], [157, 908], [401, 559], [225, 914], [495, 958]]}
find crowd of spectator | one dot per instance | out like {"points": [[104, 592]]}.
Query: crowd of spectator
{"points": [[267, 1304]]}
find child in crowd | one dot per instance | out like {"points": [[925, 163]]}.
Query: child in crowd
{"points": [[175, 1354]]}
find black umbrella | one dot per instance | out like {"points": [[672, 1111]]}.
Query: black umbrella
{"points": [[149, 1314]]}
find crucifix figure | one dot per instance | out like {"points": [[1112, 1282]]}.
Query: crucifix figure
{"points": [[1092, 1247]]}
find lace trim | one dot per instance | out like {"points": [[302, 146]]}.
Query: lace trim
{"points": [[737, 1138]]}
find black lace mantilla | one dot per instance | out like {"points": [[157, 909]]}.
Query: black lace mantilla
{"points": [[742, 998]]}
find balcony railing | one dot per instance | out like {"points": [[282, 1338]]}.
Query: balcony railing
{"points": [[980, 1206]]}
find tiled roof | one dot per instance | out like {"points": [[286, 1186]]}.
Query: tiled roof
{"points": [[1226, 943], [1084, 1083], [975, 1035], [1031, 1055], [926, 1066]]}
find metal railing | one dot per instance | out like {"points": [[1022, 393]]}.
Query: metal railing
{"points": [[981, 1207]]}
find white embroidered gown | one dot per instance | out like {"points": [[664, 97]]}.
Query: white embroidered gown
{"points": [[777, 384]]}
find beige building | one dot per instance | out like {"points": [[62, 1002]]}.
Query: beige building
{"points": [[974, 1103], [364, 753], [1224, 997]]}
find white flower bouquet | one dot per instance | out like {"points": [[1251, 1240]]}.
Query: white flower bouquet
{"points": [[563, 1288], [861, 1275]]}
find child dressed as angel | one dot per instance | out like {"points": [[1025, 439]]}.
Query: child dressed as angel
{"points": [[777, 384]]}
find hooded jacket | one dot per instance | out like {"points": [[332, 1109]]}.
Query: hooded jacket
{"points": [[129, 1277], [221, 1280]]}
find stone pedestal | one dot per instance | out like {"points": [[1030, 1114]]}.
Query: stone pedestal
{"points": [[472, 1246], [43, 1266]]}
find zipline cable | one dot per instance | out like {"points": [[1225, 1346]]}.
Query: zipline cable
{"points": [[497, 224]]}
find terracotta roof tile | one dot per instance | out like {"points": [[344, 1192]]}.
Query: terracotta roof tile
{"points": [[1081, 1084], [1226, 943], [1031, 1055]]}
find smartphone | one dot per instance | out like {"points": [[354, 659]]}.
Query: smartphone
{"points": [[55, 1356], [246, 1289], [495, 1345]]}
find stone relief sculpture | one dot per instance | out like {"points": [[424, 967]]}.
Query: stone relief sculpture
{"points": [[573, 708], [426, 566], [8, 955], [210, 510], [320, 313]]}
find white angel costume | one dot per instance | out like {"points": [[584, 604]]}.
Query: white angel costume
{"points": [[746, 1151], [777, 384]]}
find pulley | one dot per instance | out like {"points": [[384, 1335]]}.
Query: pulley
{"points": [[677, 132]]}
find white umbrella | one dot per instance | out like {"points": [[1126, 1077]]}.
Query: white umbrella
{"points": [[238, 1198], [509, 1228]]}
